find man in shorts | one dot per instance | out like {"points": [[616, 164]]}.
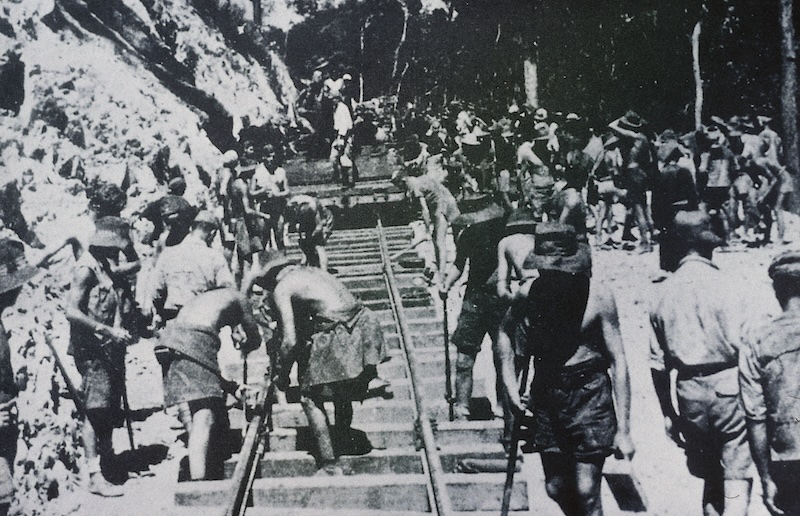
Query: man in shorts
{"points": [[769, 377], [97, 342], [14, 273], [269, 190], [439, 209], [193, 373], [697, 320], [581, 415], [314, 223], [482, 309], [336, 342]]}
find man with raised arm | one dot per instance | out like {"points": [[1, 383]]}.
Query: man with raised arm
{"points": [[193, 374]]}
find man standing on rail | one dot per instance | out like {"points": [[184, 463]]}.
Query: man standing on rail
{"points": [[336, 342], [193, 375], [697, 320], [482, 309], [572, 331]]}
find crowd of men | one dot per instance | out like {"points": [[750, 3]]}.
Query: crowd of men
{"points": [[527, 257]]}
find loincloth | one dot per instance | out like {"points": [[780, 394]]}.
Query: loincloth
{"points": [[340, 347], [193, 371]]}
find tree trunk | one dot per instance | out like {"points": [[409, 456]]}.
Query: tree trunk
{"points": [[406, 16], [698, 78], [362, 33], [257, 12], [531, 81], [789, 91]]}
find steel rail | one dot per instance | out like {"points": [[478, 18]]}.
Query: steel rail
{"points": [[442, 504]]}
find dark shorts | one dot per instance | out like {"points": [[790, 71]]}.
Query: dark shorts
{"points": [[712, 421], [573, 412], [102, 384], [192, 370], [481, 312], [786, 475]]}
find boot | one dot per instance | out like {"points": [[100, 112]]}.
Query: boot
{"points": [[100, 486]]}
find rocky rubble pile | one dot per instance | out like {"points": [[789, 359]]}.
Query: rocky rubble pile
{"points": [[93, 106]]}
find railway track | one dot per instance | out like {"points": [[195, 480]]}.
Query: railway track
{"points": [[412, 466]]}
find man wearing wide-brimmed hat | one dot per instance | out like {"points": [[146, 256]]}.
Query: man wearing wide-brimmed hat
{"points": [[97, 342], [335, 340], [769, 376], [14, 273], [571, 329], [638, 169], [697, 319]]}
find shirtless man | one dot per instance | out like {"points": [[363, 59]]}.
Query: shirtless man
{"points": [[248, 224], [513, 280], [269, 190], [336, 342], [575, 340], [193, 374], [314, 223], [439, 209]]}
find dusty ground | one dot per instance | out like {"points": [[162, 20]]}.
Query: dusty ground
{"points": [[659, 464]]}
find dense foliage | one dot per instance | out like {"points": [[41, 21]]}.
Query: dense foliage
{"points": [[598, 58]]}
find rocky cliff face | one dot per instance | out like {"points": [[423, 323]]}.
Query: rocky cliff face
{"points": [[130, 91]]}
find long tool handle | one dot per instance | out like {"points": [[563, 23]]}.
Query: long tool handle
{"points": [[512, 451], [127, 409], [448, 388]]}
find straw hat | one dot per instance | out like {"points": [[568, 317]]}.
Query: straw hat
{"points": [[557, 248], [14, 268]]}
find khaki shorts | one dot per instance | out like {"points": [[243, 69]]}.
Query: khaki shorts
{"points": [[712, 421]]}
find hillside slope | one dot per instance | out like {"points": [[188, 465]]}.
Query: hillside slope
{"points": [[133, 92]]}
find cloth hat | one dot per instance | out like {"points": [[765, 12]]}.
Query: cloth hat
{"points": [[785, 266], [694, 228], [111, 232], [540, 114], [206, 217], [631, 120], [573, 117], [762, 120], [230, 157], [557, 248], [520, 221], [14, 268]]}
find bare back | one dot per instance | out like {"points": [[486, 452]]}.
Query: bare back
{"points": [[314, 291], [600, 324], [214, 309]]}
